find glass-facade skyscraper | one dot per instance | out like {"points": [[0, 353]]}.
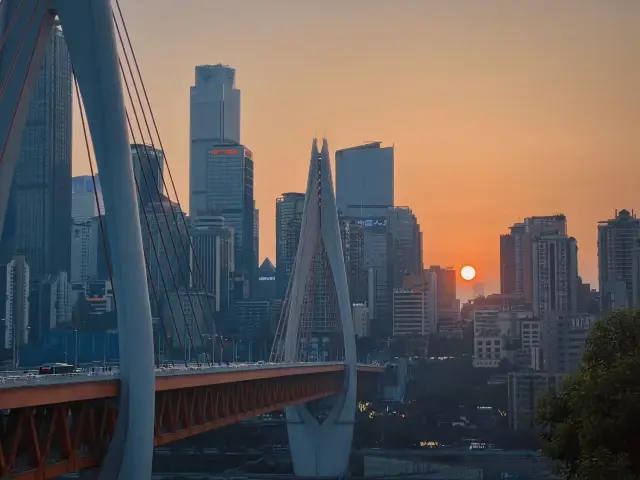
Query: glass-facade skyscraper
{"points": [[229, 193], [38, 222], [364, 181], [214, 109]]}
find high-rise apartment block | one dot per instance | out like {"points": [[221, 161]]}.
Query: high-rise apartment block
{"points": [[618, 244], [447, 301], [289, 209], [555, 274], [14, 297], [38, 218], [564, 340], [214, 120], [516, 255]]}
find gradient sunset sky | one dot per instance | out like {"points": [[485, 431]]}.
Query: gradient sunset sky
{"points": [[498, 109]]}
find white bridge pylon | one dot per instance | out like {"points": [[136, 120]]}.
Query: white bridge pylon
{"points": [[87, 25], [321, 449]]}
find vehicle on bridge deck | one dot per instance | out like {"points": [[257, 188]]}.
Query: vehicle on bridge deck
{"points": [[56, 368]]}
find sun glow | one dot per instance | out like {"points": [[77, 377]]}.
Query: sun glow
{"points": [[468, 272]]}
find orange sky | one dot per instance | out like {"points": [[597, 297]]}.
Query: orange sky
{"points": [[499, 109]]}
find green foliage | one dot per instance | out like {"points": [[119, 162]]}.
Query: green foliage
{"points": [[592, 426]]}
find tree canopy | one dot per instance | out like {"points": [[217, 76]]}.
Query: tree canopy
{"points": [[591, 427]]}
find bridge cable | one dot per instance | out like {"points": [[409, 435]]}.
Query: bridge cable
{"points": [[153, 241], [16, 55], [213, 329], [161, 234], [185, 251], [164, 183], [156, 218], [103, 227], [12, 22], [11, 68]]}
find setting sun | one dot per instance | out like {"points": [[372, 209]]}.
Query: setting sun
{"points": [[468, 272]]}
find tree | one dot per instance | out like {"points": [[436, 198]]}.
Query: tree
{"points": [[591, 426]]}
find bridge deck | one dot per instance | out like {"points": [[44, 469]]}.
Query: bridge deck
{"points": [[52, 426], [35, 390]]}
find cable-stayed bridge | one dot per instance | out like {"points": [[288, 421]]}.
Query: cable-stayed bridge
{"points": [[106, 426]]}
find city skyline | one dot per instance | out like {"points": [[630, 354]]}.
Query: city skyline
{"points": [[527, 99]]}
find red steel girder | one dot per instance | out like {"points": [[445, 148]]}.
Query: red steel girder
{"points": [[51, 440]]}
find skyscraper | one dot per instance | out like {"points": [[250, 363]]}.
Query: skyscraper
{"points": [[214, 120], [364, 180], [229, 192], [289, 209], [365, 192], [213, 251], [168, 265], [617, 240], [148, 165], [83, 198], [353, 250], [14, 297], [516, 261], [256, 234], [555, 274], [38, 218], [407, 244]]}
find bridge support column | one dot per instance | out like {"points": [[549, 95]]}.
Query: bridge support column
{"points": [[89, 34], [322, 449]]}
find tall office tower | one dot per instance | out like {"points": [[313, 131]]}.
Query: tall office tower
{"points": [[88, 256], [407, 243], [289, 209], [256, 234], [213, 251], [14, 297], [148, 166], [83, 198], [229, 192], [364, 181], [38, 219], [379, 256], [214, 119], [352, 236], [508, 264], [516, 264], [617, 240], [555, 274], [365, 191], [170, 267], [447, 302]]}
